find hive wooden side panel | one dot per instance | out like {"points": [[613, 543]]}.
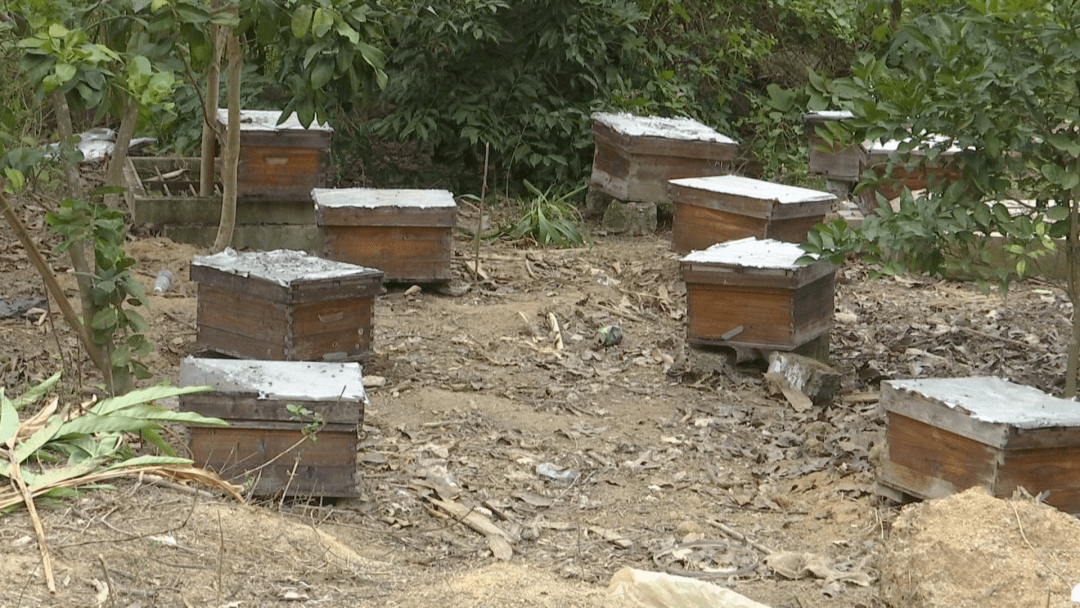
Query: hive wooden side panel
{"points": [[403, 253], [695, 228], [940, 454], [763, 313]]}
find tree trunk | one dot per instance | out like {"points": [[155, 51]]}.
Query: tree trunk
{"points": [[231, 154], [84, 274], [115, 174], [210, 108]]}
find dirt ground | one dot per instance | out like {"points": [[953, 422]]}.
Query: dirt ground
{"points": [[591, 458]]}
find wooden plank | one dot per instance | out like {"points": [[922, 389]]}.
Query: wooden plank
{"points": [[781, 278], [341, 316], [940, 454], [695, 228], [630, 146], [248, 448], [915, 483], [234, 453], [764, 313], [434, 217], [296, 292], [402, 253], [293, 138], [935, 414], [792, 230], [236, 407], [279, 172], [237, 312], [238, 345], [1055, 469], [812, 309], [1045, 437]]}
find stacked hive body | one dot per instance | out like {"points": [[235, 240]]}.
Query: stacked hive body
{"points": [[946, 435], [278, 167], [752, 293], [269, 406], [407, 234], [847, 163], [635, 156], [710, 210], [284, 305]]}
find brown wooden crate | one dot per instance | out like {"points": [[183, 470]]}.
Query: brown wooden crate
{"points": [[718, 152], [401, 252], [236, 407], [940, 454], [1055, 469]]}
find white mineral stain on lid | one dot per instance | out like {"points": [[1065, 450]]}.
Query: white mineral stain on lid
{"points": [[655, 126], [750, 253], [997, 401], [266, 120], [371, 198], [306, 380], [754, 188], [282, 266]]}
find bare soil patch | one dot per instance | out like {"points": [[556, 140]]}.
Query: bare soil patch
{"points": [[480, 403]]}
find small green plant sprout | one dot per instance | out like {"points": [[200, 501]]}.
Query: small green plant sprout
{"points": [[315, 420], [552, 219]]}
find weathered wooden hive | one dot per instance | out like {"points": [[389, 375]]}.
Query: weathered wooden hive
{"points": [[264, 440], [834, 162], [284, 305], [946, 435], [407, 234], [635, 156], [163, 192], [877, 158], [281, 162], [710, 210], [752, 293]]}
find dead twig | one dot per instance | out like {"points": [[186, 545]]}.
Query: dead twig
{"points": [[39, 530]]}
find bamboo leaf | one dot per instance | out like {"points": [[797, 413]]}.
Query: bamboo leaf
{"points": [[9, 419], [145, 395]]}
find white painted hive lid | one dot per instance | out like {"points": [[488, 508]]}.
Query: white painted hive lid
{"points": [[750, 253], [996, 401], [828, 115], [887, 147], [266, 120], [656, 126], [281, 266], [372, 198], [301, 380], [736, 185]]}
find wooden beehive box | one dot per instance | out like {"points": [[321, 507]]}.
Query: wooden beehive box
{"points": [[751, 293], [837, 163], [949, 434], [635, 156], [710, 210], [280, 162], [163, 192], [405, 233], [877, 157], [284, 305], [262, 436]]}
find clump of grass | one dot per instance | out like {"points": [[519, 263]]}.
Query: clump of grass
{"points": [[552, 219]]}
